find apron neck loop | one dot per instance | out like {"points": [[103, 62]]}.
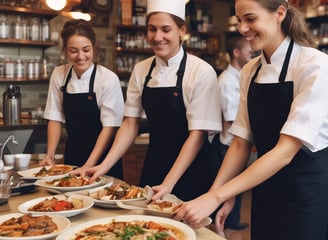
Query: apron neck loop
{"points": [[69, 75], [181, 70], [284, 69], [148, 77], [91, 82]]}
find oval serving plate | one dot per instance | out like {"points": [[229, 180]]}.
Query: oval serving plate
{"points": [[29, 174], [43, 183], [112, 203], [62, 223], [87, 203]]}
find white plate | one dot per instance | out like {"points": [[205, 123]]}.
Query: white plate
{"points": [[63, 224], [168, 197], [188, 231], [105, 203], [87, 203], [30, 173], [42, 183]]}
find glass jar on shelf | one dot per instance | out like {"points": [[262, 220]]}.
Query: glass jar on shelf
{"points": [[4, 27]]}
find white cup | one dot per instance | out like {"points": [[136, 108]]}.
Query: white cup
{"points": [[9, 159], [22, 161]]}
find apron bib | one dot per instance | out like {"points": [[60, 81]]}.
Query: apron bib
{"points": [[166, 113], [83, 125], [292, 204]]}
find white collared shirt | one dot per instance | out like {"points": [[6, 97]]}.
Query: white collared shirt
{"points": [[199, 90], [228, 89], [308, 117], [106, 86]]}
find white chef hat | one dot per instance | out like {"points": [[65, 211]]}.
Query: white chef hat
{"points": [[175, 7]]}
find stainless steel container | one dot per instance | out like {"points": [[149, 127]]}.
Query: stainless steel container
{"points": [[12, 105]]}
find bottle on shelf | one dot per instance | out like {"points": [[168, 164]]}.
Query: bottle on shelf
{"points": [[9, 68], [20, 69], [25, 29], [35, 29], [2, 67], [18, 28], [45, 30], [4, 27]]}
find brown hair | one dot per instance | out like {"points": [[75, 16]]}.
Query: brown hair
{"points": [[236, 42], [78, 27], [294, 25]]}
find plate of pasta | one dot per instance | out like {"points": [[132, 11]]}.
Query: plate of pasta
{"points": [[124, 226]]}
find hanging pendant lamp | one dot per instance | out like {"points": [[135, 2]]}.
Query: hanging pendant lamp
{"points": [[56, 5]]}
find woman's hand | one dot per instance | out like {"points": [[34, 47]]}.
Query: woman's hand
{"points": [[47, 161], [160, 191], [81, 171], [222, 214], [96, 171], [194, 211]]}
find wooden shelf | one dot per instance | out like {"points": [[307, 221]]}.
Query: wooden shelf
{"points": [[135, 51], [25, 80], [29, 11], [30, 43]]}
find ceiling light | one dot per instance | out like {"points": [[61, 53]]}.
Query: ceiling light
{"points": [[56, 4], [79, 11]]}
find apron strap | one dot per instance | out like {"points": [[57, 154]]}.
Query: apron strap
{"points": [[69, 75], [284, 69], [91, 82], [148, 77], [181, 70]]}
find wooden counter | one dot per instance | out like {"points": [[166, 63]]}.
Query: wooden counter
{"points": [[92, 214]]}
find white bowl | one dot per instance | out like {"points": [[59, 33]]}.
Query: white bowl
{"points": [[22, 161], [9, 159]]}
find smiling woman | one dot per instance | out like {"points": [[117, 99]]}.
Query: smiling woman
{"points": [[87, 97]]}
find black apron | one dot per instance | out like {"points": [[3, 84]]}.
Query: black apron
{"points": [[83, 125], [292, 204], [166, 113]]}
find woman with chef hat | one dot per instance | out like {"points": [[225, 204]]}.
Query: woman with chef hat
{"points": [[177, 92], [283, 111], [87, 97]]}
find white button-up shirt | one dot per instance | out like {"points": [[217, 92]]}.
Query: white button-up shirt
{"points": [[199, 90], [308, 116], [106, 86]]}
